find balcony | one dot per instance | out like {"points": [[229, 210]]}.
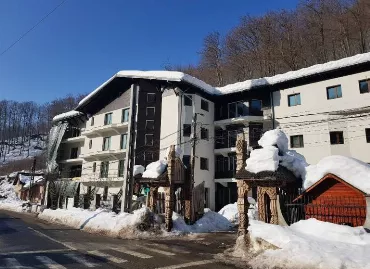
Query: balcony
{"points": [[115, 154], [239, 120], [71, 161], [114, 128], [73, 139]]}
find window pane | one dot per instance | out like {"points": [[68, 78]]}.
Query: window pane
{"points": [[187, 130], [94, 167], [296, 141], [204, 133], [364, 86], [256, 105], [92, 121], [240, 109], [125, 114], [204, 105], [149, 125], [367, 132], [150, 97], [150, 111], [108, 119], [188, 100], [123, 141], [149, 140], [336, 138], [339, 91], [334, 92], [232, 110], [186, 160], [121, 167]]}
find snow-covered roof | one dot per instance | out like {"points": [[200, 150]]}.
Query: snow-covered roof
{"points": [[351, 170], [157, 75], [302, 73], [67, 115]]}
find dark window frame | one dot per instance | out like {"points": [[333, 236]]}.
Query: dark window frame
{"points": [[336, 87], [90, 144], [186, 130], [293, 144], [204, 133], [124, 115], [290, 104], [121, 168], [204, 105], [74, 153], [148, 99], [367, 134], [336, 138], [106, 138], [149, 108], [204, 165], [94, 167], [121, 146], [149, 156], [152, 139], [146, 125], [251, 109], [108, 118], [368, 86], [188, 100], [186, 160], [92, 121], [104, 169]]}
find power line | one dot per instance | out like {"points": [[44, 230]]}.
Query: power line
{"points": [[33, 27]]}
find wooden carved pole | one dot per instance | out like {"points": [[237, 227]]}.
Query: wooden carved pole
{"points": [[153, 193], [240, 152], [170, 191], [273, 196], [243, 206]]}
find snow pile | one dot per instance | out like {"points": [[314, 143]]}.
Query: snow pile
{"points": [[266, 159], [210, 222], [123, 225], [8, 198], [310, 244], [26, 180], [231, 213], [292, 75], [155, 169], [138, 169], [274, 153], [351, 170], [67, 115]]}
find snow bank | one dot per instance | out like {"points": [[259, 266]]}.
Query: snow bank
{"points": [[353, 171], [292, 75], [124, 225], [138, 169], [8, 198], [155, 169], [266, 159], [230, 211], [310, 244], [210, 222], [67, 115]]}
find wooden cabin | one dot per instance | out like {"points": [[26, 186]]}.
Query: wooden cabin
{"points": [[334, 200]]}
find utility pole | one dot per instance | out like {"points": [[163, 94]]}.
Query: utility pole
{"points": [[32, 178]]}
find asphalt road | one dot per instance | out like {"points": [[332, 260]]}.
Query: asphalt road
{"points": [[27, 242]]}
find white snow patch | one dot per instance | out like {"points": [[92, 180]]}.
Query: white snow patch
{"points": [[305, 72], [138, 169], [310, 244], [155, 169], [8, 198], [351, 170], [274, 137], [266, 159], [231, 213], [210, 222], [67, 115]]}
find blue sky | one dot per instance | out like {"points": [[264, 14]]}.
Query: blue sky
{"points": [[85, 42]]}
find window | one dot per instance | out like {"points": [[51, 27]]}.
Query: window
{"points": [[125, 115], [150, 97], [296, 141], [74, 153], [203, 163], [121, 168], [204, 105], [149, 125], [149, 156], [187, 130], [188, 100], [94, 167], [92, 121], [367, 132], [123, 144], [104, 168], [238, 109], [204, 133], [108, 118], [294, 99], [336, 138], [186, 160], [106, 143], [149, 139], [256, 105], [364, 86], [150, 111], [334, 92], [105, 193], [90, 144]]}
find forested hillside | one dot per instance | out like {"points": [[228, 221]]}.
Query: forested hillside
{"points": [[316, 31], [23, 130]]}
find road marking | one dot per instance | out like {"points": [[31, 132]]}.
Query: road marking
{"points": [[14, 264], [183, 265], [34, 251], [174, 248], [80, 259], [133, 253], [106, 256], [167, 253], [49, 263], [52, 239]]}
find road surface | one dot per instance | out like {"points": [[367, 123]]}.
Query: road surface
{"points": [[27, 242]]}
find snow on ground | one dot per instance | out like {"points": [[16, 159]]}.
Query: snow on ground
{"points": [[230, 211], [8, 198], [24, 150], [310, 244]]}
